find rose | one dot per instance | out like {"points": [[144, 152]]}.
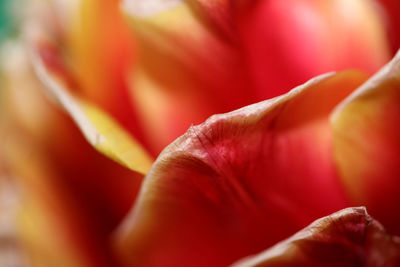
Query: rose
{"points": [[63, 184]]}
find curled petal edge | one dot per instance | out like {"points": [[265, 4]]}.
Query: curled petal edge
{"points": [[99, 129], [350, 236]]}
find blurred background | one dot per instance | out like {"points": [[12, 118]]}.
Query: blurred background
{"points": [[10, 252]]}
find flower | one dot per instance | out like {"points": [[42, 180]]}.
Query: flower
{"points": [[221, 191]]}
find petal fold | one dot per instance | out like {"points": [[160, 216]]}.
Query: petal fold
{"points": [[349, 237], [100, 129], [222, 190]]}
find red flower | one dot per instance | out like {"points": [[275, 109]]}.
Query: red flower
{"points": [[230, 187]]}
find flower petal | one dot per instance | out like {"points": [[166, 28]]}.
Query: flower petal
{"points": [[73, 196], [171, 87], [222, 190], [366, 129], [303, 41], [207, 57], [101, 130], [392, 16], [101, 51], [349, 237], [86, 42]]}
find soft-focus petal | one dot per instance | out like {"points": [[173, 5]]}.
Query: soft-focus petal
{"points": [[366, 129], [73, 196], [185, 73], [310, 37], [92, 49], [101, 51], [100, 129], [199, 58], [223, 190], [349, 237], [391, 13]]}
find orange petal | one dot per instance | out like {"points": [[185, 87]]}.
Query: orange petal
{"points": [[222, 190], [101, 51], [73, 196], [178, 81], [99, 128], [366, 130], [89, 46], [349, 237]]}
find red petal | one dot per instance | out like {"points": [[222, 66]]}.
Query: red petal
{"points": [[200, 57], [241, 181], [392, 19], [349, 237], [288, 42]]}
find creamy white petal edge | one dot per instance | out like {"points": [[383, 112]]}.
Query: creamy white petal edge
{"points": [[146, 8]]}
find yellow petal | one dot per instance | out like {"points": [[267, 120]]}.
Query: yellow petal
{"points": [[366, 128]]}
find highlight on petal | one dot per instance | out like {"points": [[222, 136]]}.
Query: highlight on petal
{"points": [[366, 129], [102, 131], [195, 53], [150, 7], [349, 237], [72, 196], [221, 191]]}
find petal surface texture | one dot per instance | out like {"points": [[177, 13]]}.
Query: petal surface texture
{"points": [[207, 57], [221, 191], [366, 130], [348, 238]]}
